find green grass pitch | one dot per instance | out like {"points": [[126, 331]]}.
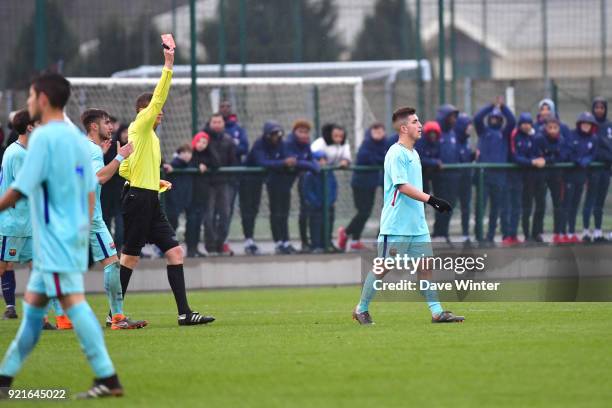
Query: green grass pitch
{"points": [[298, 347]]}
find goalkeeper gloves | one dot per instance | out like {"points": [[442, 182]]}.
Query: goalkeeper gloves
{"points": [[439, 205]]}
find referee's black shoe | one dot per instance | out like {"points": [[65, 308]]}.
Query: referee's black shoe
{"points": [[193, 319]]}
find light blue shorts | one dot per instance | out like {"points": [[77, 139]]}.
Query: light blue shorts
{"points": [[16, 249], [102, 244], [415, 246], [55, 284]]}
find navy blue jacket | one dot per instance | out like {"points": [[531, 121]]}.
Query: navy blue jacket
{"points": [[604, 134], [541, 122], [239, 136], [302, 153], [580, 148], [494, 141], [370, 153], [551, 148], [180, 195], [272, 157], [466, 155], [429, 152], [312, 189], [449, 148]]}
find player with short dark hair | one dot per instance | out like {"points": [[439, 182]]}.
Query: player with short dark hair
{"points": [[99, 128], [403, 227], [144, 220], [60, 186]]}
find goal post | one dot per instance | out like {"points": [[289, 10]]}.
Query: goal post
{"points": [[255, 100]]}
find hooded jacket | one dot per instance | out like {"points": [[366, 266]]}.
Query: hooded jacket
{"points": [[580, 147], [466, 155], [312, 187], [522, 145], [201, 183], [302, 153], [272, 157], [429, 150], [604, 133], [239, 137], [449, 148], [494, 140], [370, 153], [541, 122]]}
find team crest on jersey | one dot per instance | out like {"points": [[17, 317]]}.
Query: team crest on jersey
{"points": [[12, 252]]}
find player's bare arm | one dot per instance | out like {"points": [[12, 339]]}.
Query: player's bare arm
{"points": [[108, 171], [9, 199]]}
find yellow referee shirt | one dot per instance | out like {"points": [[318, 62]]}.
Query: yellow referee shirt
{"points": [[141, 169]]}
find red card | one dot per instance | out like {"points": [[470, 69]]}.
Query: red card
{"points": [[168, 40]]}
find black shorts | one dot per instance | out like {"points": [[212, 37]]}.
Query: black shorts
{"points": [[144, 222]]}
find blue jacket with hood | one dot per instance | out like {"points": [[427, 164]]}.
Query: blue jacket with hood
{"points": [[550, 147], [604, 133], [522, 148], [449, 148], [541, 122], [239, 136], [580, 147], [312, 187], [272, 157], [370, 153], [494, 141], [466, 154]]}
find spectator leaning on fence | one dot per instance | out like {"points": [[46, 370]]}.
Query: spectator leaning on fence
{"points": [[179, 197], [336, 147], [521, 182], [241, 140], [546, 110], [217, 215], [269, 152], [428, 148], [110, 197], [448, 183], [364, 184], [549, 143], [204, 159], [313, 197], [298, 146], [463, 130], [493, 144], [598, 180], [580, 150]]}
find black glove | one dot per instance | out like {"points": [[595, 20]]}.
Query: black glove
{"points": [[439, 205]]}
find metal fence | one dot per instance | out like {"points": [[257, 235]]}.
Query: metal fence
{"points": [[345, 208]]}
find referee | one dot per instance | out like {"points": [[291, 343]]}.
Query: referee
{"points": [[144, 221]]}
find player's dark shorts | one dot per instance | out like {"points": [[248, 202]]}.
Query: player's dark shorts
{"points": [[144, 222]]}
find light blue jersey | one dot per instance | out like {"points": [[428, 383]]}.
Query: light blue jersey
{"points": [[402, 215], [97, 162], [57, 182], [14, 221]]}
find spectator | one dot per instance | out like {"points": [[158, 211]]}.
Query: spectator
{"points": [[579, 149], [241, 141], [217, 215], [110, 196], [428, 148], [338, 152], [547, 110], [333, 142], [312, 191], [549, 145], [493, 143], [598, 178], [463, 130], [364, 184], [521, 182], [178, 197], [269, 151], [447, 187], [298, 146], [205, 160]]}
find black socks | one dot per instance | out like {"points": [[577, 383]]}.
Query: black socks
{"points": [[176, 279]]}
